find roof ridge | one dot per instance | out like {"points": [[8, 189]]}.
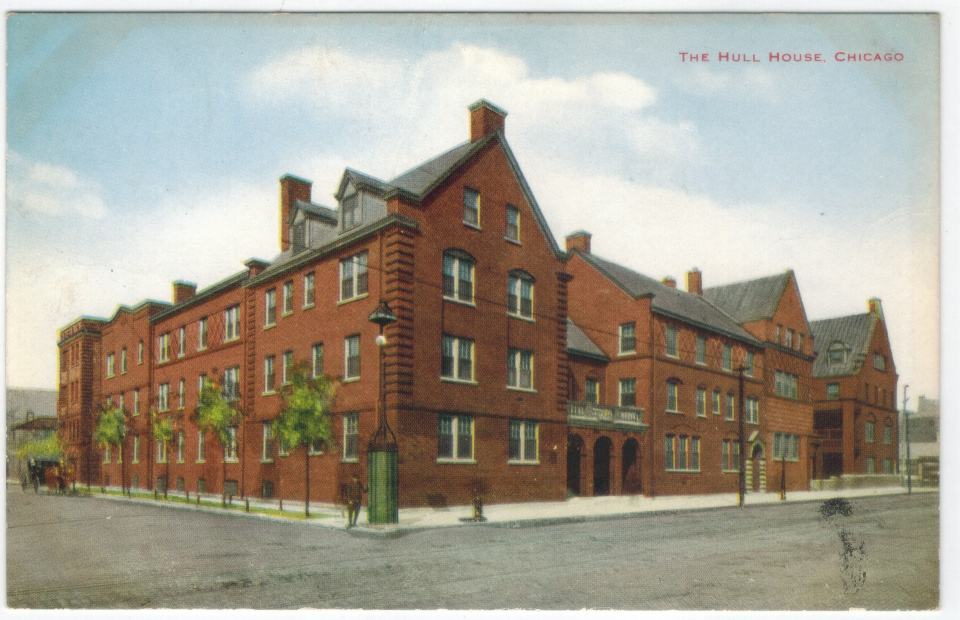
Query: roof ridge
{"points": [[427, 161], [751, 280]]}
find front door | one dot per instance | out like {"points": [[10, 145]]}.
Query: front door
{"points": [[601, 466]]}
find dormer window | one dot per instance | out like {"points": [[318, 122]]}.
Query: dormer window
{"points": [[836, 353], [350, 207]]}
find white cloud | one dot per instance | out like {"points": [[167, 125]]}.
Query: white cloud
{"points": [[742, 81], [49, 189]]}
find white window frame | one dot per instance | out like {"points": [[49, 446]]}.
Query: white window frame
{"points": [[181, 393], [348, 343], [136, 402], [471, 209], [458, 366], [880, 362], [123, 361], [136, 449], [513, 226], [316, 360], [351, 438], [517, 285], [701, 353], [230, 450], [673, 394], [163, 397], [701, 402], [870, 432], [625, 338], [231, 323], [595, 391], [286, 368], [888, 434], [269, 374], [286, 298], [453, 286], [163, 348], [717, 402], [786, 447], [621, 392], [731, 407], [202, 334], [140, 352], [266, 456], [730, 456], [871, 465], [749, 362], [785, 384], [354, 270], [180, 447], [726, 358], [519, 446], [671, 346], [231, 383], [182, 341], [683, 448], [516, 360], [201, 447], [752, 413], [111, 366], [309, 290], [456, 423], [162, 451], [270, 308]]}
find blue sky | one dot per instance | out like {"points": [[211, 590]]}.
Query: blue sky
{"points": [[147, 148]]}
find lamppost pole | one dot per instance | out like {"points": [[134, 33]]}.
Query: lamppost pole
{"points": [[906, 429], [742, 486], [382, 453]]}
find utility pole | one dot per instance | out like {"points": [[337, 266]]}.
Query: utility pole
{"points": [[906, 429], [742, 488]]}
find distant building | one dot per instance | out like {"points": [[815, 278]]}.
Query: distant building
{"points": [[924, 442], [25, 404]]}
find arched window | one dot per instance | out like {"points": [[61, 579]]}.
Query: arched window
{"points": [[836, 353], [520, 294], [458, 276]]}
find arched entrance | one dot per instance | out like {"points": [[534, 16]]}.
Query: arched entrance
{"points": [[758, 463], [601, 466], [574, 453], [631, 482]]}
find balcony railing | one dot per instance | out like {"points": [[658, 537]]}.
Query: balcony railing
{"points": [[830, 433], [589, 415]]}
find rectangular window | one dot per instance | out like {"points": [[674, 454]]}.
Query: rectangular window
{"points": [[888, 435], [672, 398], [270, 308], [136, 402], [668, 454], [180, 446], [523, 441], [628, 339], [231, 383], [888, 466], [753, 411], [455, 438], [136, 449], [458, 277], [590, 391], [181, 393], [308, 290], [471, 206], [351, 357], [162, 451], [520, 296], [800, 342], [727, 359], [231, 451], [351, 437], [106, 454], [266, 453], [520, 369], [288, 297], [110, 364], [163, 347], [731, 407], [349, 207], [671, 346], [779, 334], [513, 223], [120, 402], [785, 384], [353, 276], [716, 402], [786, 447], [163, 393], [748, 370], [269, 374], [457, 359], [789, 341], [140, 352], [201, 383], [731, 455], [695, 454], [701, 350], [123, 360], [869, 432], [182, 341], [681, 453], [628, 392], [879, 362], [231, 323], [202, 334], [701, 402], [833, 391], [316, 357], [871, 465], [287, 369], [201, 447]]}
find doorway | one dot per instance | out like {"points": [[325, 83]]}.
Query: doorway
{"points": [[601, 466], [574, 454], [631, 482]]}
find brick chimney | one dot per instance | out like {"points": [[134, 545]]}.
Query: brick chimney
{"points": [[291, 188], [670, 281], [874, 307], [485, 118], [695, 282], [255, 266], [182, 291], [579, 240]]}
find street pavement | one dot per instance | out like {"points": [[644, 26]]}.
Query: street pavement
{"points": [[620, 553]]}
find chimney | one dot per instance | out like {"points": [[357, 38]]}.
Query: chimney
{"points": [[485, 118], [695, 282], [291, 189], [182, 291], [670, 281], [255, 266], [874, 307], [579, 240]]}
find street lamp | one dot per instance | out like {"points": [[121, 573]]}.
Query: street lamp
{"points": [[382, 455]]}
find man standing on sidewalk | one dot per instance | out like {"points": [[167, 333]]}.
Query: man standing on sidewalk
{"points": [[355, 491]]}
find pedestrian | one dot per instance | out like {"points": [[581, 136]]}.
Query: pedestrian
{"points": [[355, 491]]}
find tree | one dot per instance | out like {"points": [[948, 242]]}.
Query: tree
{"points": [[305, 418], [48, 446], [111, 431], [162, 427], [216, 413]]}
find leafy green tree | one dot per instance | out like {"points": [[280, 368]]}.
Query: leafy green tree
{"points": [[111, 432], [48, 446], [216, 413], [162, 426], [305, 419]]}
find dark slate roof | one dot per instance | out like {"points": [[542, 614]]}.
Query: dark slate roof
{"points": [[669, 301], [750, 301], [44, 423], [424, 177], [318, 210], [362, 180], [853, 331], [579, 343], [204, 294]]}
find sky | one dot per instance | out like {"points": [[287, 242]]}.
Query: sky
{"points": [[143, 149]]}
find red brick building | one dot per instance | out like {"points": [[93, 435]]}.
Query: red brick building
{"points": [[855, 395]]}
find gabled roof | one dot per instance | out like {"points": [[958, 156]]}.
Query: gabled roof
{"points": [[669, 301], [578, 343], [423, 178], [855, 332], [753, 300], [204, 294], [40, 423], [312, 208], [136, 308], [361, 180]]}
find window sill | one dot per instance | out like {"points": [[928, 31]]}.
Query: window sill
{"points": [[729, 471], [307, 306], [180, 461], [460, 301], [234, 460], [446, 461], [700, 363], [201, 349], [682, 471], [514, 388], [286, 313], [346, 301], [523, 462], [470, 225], [270, 393], [673, 357], [266, 460], [351, 380], [528, 319], [701, 415], [513, 241], [626, 353], [179, 355], [350, 460], [672, 411], [226, 340], [201, 460], [267, 326], [460, 381]]}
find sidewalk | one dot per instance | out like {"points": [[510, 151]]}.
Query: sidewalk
{"points": [[530, 514]]}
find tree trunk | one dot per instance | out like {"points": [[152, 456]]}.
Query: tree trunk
{"points": [[223, 481], [166, 472], [306, 502], [123, 476]]}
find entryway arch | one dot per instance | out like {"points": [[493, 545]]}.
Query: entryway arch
{"points": [[631, 481], [601, 466]]}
